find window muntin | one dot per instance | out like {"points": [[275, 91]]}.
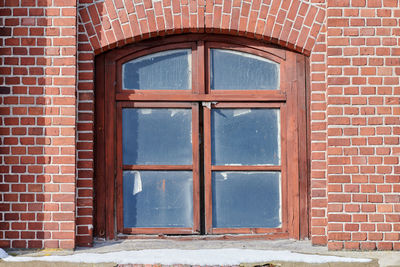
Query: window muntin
{"points": [[236, 70], [165, 70]]}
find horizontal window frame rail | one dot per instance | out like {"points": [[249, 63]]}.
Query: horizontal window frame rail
{"points": [[160, 230], [158, 95], [238, 237], [246, 168], [157, 167], [247, 230]]}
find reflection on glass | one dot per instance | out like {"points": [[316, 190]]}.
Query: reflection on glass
{"points": [[246, 200], [155, 136], [167, 70], [158, 199], [233, 70], [245, 136]]}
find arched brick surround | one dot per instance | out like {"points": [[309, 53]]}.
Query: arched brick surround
{"points": [[295, 25]]}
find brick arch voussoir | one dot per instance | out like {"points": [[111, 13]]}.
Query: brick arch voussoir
{"points": [[292, 24]]}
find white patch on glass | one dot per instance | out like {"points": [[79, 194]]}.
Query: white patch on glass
{"points": [[225, 175], [146, 111], [137, 183], [176, 111], [239, 112]]}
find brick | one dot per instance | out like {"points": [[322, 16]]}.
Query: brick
{"points": [[335, 245]]}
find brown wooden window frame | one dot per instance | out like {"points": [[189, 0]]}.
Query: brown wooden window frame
{"points": [[209, 168], [194, 168], [291, 99]]}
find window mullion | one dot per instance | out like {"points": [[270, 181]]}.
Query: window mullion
{"points": [[207, 170], [200, 71], [196, 167]]}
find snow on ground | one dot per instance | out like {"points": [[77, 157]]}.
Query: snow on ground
{"points": [[192, 257], [3, 254]]}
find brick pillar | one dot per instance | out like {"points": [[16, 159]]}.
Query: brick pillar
{"points": [[363, 124], [37, 124]]}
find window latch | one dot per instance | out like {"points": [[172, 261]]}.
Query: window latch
{"points": [[208, 104]]}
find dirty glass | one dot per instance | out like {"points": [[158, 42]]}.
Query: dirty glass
{"points": [[246, 200], [167, 70], [233, 70], [245, 136], [157, 199], [156, 136]]}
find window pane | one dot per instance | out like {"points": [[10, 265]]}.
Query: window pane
{"points": [[233, 70], [157, 136], [167, 70], [246, 199], [158, 199], [245, 136]]}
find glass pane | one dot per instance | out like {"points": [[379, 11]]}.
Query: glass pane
{"points": [[246, 199], [167, 70], [233, 70], [245, 136], [158, 199], [157, 136]]}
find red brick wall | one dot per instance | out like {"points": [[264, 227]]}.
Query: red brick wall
{"points": [[363, 122], [37, 123], [354, 92]]}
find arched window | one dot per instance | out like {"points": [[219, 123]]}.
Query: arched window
{"points": [[201, 135]]}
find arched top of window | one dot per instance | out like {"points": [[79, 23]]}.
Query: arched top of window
{"points": [[172, 70], [200, 68]]}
